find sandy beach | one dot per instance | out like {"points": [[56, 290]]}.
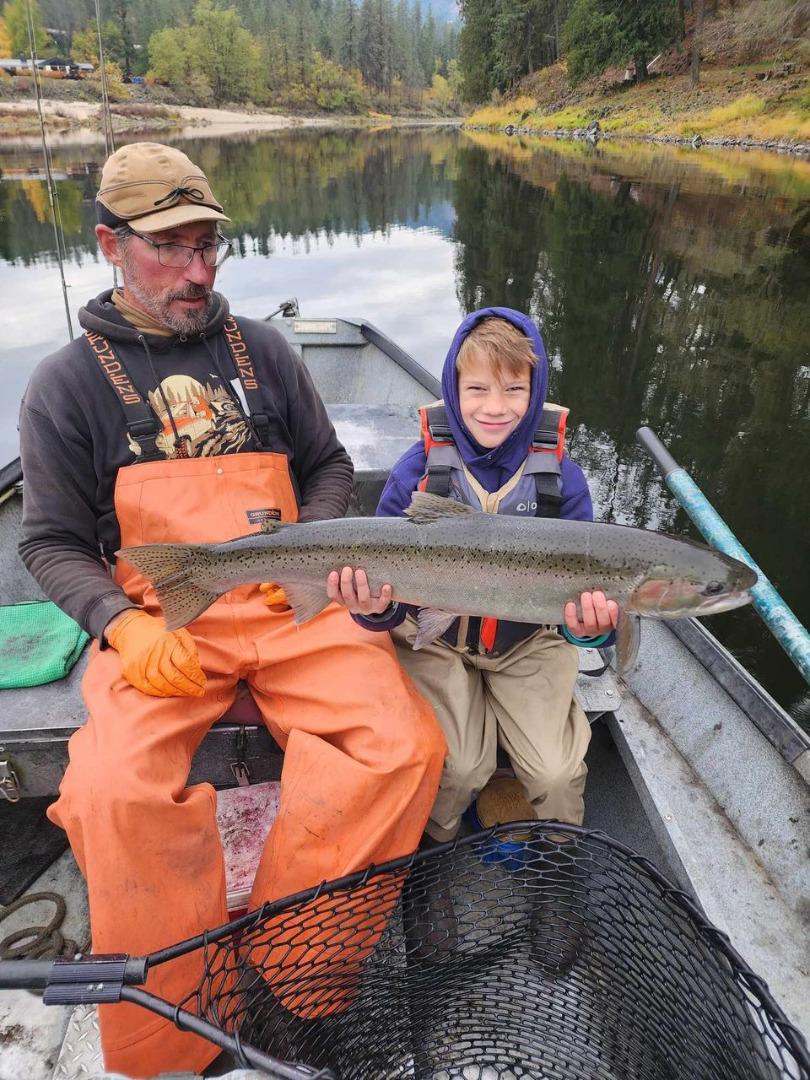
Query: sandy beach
{"points": [[83, 121]]}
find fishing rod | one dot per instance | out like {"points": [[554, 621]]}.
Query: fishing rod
{"points": [[106, 115], [777, 616], [56, 214]]}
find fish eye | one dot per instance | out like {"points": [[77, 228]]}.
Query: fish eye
{"points": [[712, 588]]}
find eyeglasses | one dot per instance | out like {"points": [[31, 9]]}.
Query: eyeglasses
{"points": [[180, 255]]}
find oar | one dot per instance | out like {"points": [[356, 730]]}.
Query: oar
{"points": [[777, 616]]}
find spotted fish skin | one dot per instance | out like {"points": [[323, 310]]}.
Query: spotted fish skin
{"points": [[457, 560]]}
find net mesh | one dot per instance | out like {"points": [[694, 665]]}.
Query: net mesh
{"points": [[530, 951]]}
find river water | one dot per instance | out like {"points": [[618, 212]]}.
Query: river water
{"points": [[672, 287]]}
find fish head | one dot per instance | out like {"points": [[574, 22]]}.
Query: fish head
{"points": [[713, 584]]}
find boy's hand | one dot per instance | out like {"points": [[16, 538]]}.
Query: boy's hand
{"points": [[599, 615], [350, 589]]}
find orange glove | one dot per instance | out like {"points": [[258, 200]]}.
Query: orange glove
{"points": [[274, 596], [157, 663]]}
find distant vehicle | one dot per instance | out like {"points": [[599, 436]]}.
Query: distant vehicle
{"points": [[55, 67]]}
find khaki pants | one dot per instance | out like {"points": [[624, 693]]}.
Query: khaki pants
{"points": [[522, 700]]}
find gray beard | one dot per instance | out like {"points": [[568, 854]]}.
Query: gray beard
{"points": [[189, 322], [186, 323]]}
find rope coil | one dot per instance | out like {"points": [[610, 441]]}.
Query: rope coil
{"points": [[37, 942]]}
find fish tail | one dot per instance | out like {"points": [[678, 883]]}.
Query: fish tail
{"points": [[175, 571]]}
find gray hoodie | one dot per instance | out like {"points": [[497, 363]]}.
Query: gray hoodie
{"points": [[73, 441]]}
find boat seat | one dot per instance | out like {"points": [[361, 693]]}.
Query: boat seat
{"points": [[244, 710]]}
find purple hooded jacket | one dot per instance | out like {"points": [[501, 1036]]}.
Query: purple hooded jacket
{"points": [[492, 468]]}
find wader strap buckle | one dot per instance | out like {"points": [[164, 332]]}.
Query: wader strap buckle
{"points": [[261, 425], [145, 433]]}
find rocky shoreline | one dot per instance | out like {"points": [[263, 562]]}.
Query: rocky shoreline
{"points": [[593, 134]]}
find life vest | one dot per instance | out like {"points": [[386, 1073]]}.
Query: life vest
{"points": [[538, 493]]}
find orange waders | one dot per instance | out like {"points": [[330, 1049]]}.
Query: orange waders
{"points": [[363, 752]]}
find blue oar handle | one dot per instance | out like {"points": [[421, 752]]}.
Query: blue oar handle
{"points": [[780, 620]]}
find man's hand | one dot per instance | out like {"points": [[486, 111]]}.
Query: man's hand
{"points": [[599, 615], [350, 589], [153, 661]]}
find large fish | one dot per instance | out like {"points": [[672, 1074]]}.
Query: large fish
{"points": [[451, 560]]}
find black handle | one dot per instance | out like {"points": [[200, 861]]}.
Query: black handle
{"points": [[654, 448], [97, 977], [25, 974]]}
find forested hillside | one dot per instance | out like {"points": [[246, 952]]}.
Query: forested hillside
{"points": [[502, 41], [720, 71], [349, 55], [526, 61]]}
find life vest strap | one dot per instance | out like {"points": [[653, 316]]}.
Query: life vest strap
{"points": [[437, 480], [435, 426]]}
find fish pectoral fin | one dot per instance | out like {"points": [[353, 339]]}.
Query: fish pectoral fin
{"points": [[425, 508], [432, 623], [305, 600], [628, 639]]}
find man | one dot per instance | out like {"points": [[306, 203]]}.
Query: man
{"points": [[172, 422]]}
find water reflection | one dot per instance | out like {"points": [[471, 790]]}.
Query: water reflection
{"points": [[671, 287]]}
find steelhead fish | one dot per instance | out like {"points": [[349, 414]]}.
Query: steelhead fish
{"points": [[449, 560]]}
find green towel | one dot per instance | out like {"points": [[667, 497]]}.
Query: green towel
{"points": [[38, 643]]}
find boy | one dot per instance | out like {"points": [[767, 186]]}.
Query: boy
{"points": [[495, 447]]}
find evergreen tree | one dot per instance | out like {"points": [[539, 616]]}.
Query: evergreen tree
{"points": [[348, 34], [476, 49], [121, 12], [426, 47], [601, 32], [153, 15], [372, 43]]}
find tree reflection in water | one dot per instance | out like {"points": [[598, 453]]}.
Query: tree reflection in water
{"points": [[671, 288]]}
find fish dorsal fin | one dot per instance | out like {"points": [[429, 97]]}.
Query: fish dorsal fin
{"points": [[432, 623], [425, 508], [271, 526], [264, 527]]}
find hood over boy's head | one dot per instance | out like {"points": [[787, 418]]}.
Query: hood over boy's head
{"points": [[524, 345]]}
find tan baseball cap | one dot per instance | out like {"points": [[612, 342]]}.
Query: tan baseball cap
{"points": [[154, 187]]}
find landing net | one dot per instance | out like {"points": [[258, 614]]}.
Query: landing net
{"points": [[531, 951]]}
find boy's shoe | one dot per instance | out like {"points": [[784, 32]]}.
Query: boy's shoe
{"points": [[503, 800]]}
